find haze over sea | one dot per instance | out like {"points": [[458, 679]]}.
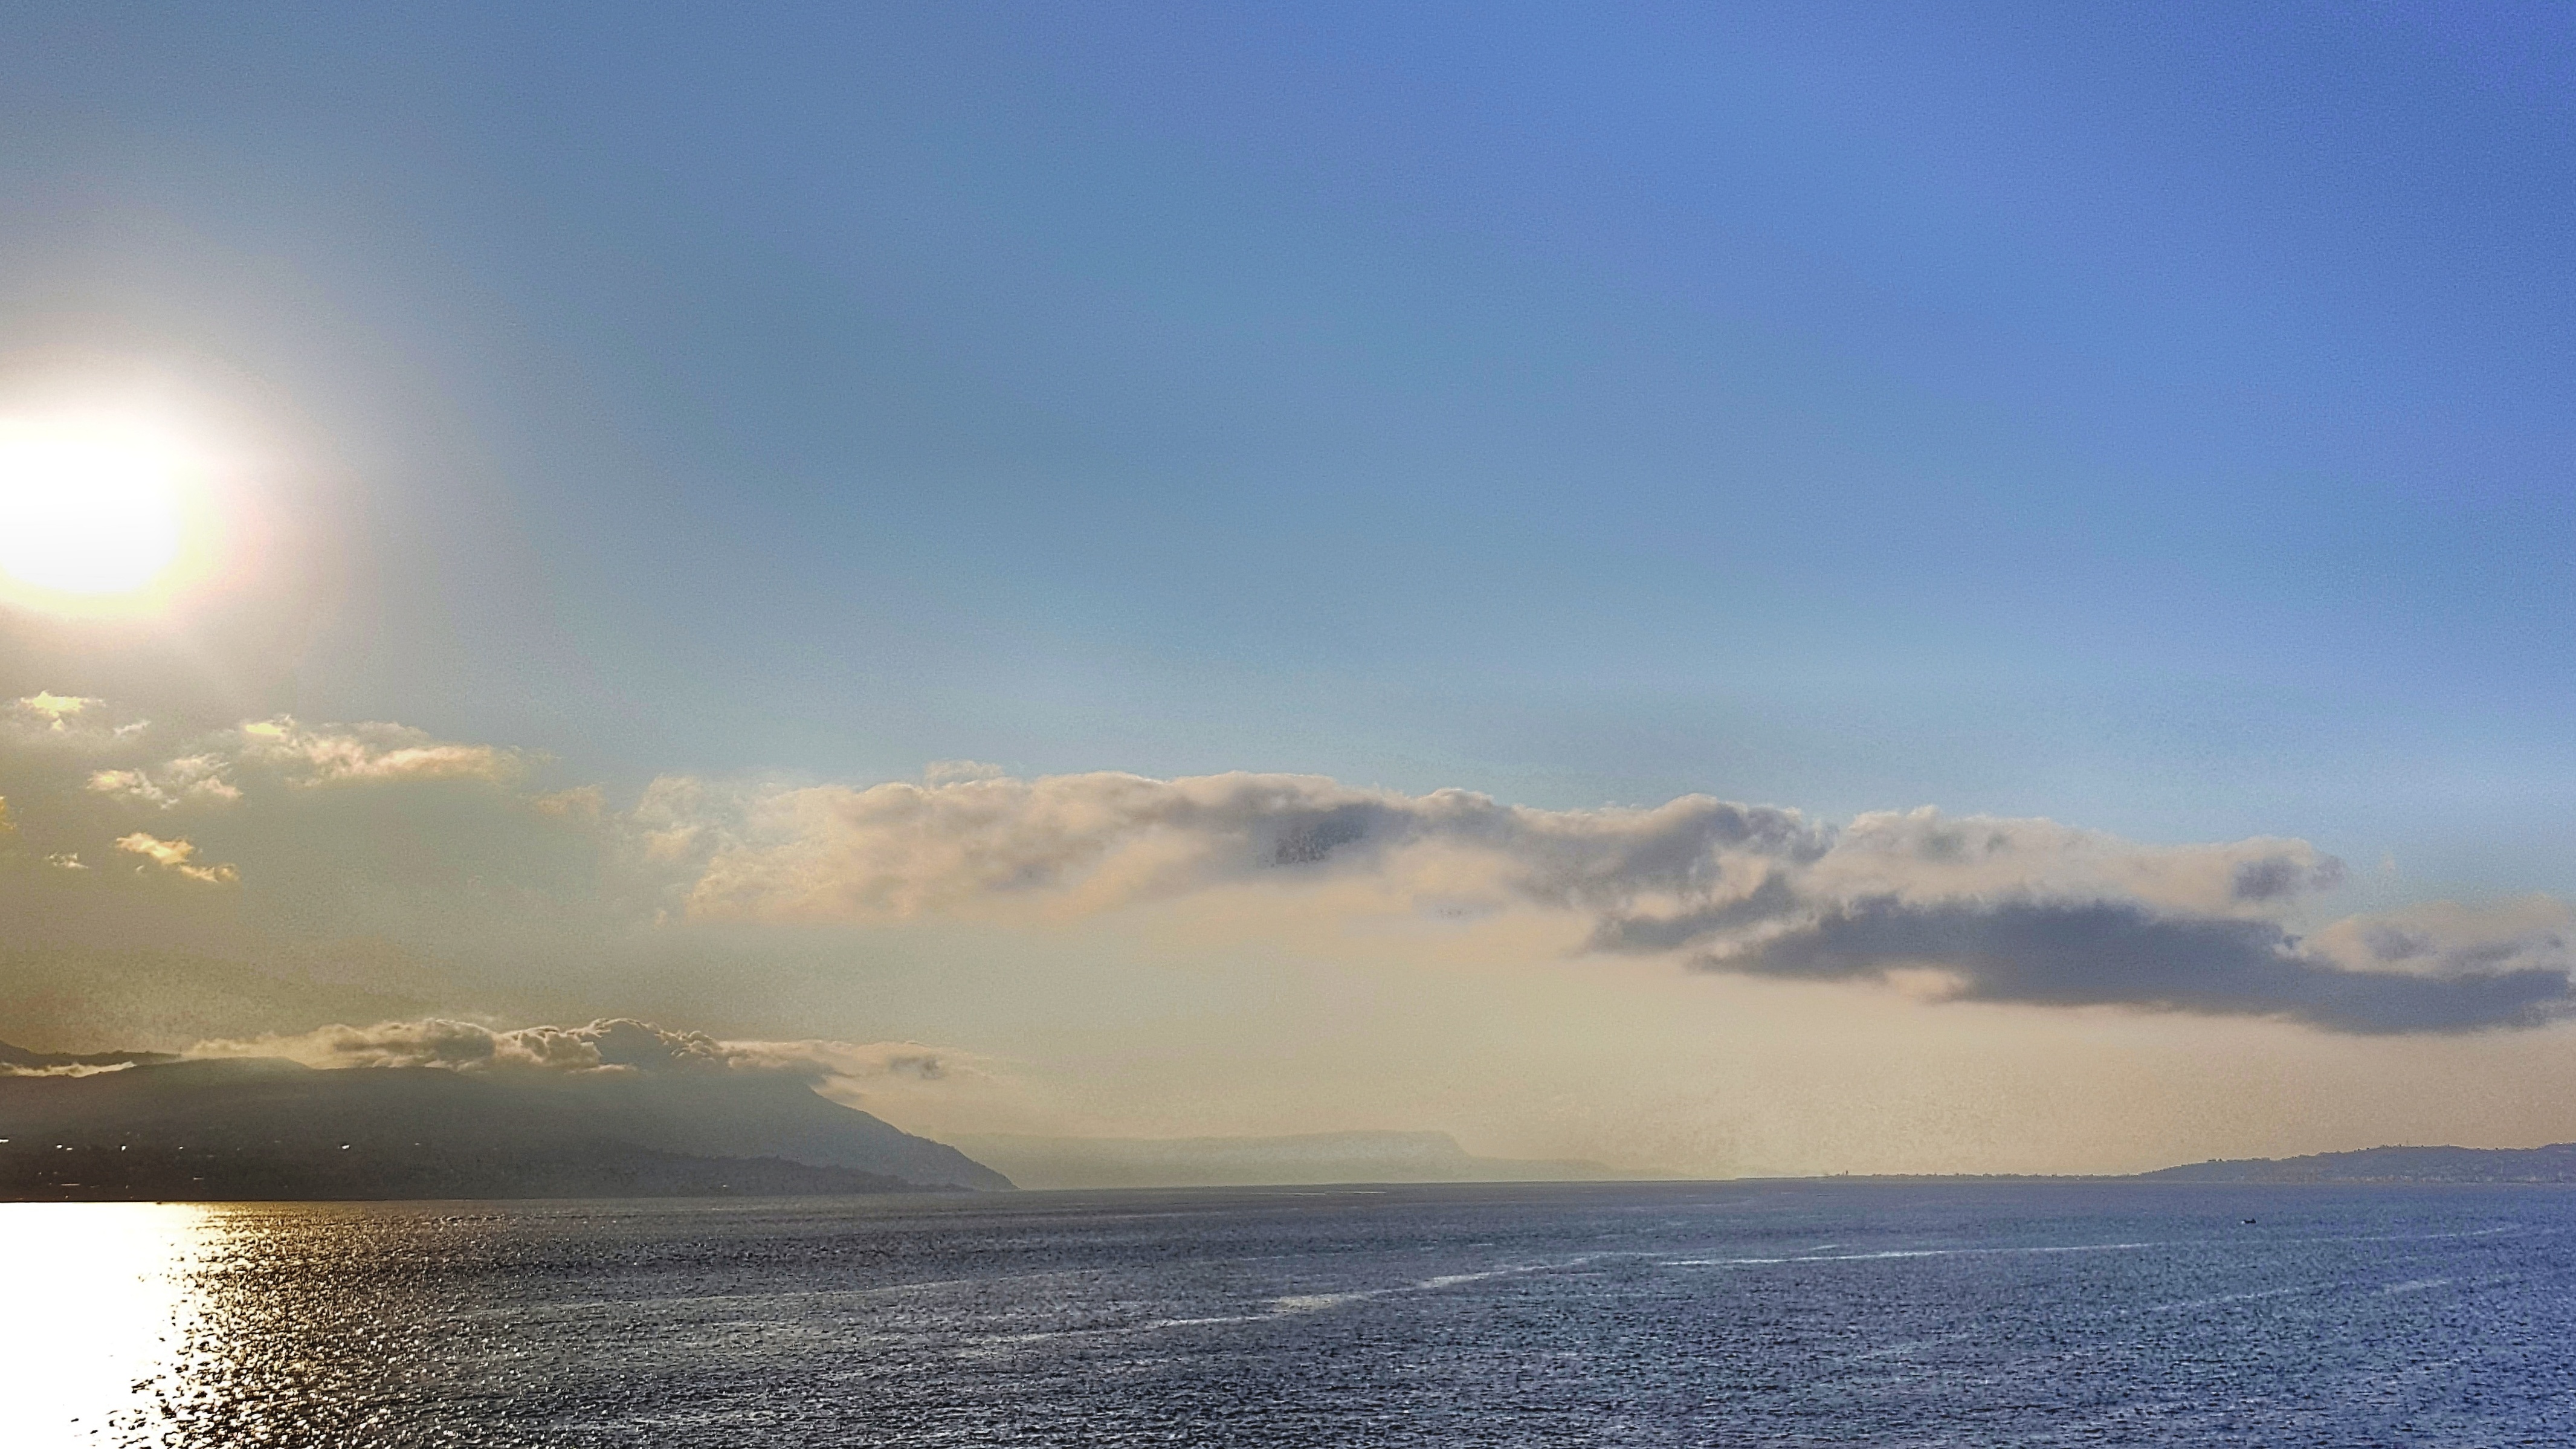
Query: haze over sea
{"points": [[1714, 1313]]}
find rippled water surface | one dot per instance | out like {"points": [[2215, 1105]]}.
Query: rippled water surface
{"points": [[1710, 1314]]}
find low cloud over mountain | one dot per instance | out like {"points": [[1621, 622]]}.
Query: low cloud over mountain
{"points": [[442, 1108], [617, 1047]]}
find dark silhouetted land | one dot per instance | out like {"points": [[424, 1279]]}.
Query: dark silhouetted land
{"points": [[261, 1129]]}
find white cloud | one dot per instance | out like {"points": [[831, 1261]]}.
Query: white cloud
{"points": [[55, 710], [190, 778], [76, 720], [368, 752], [177, 856]]}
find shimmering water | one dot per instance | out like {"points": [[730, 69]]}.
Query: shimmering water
{"points": [[1714, 1314]]}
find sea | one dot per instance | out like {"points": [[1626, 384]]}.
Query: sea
{"points": [[1862, 1313]]}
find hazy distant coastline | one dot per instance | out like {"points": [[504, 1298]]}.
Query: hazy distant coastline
{"points": [[1303, 1159], [127, 1125]]}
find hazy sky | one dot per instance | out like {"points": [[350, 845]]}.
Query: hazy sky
{"points": [[2140, 434]]}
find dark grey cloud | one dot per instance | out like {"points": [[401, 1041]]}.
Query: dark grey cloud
{"points": [[2279, 877], [900, 850], [2027, 911], [1774, 899], [2105, 953]]}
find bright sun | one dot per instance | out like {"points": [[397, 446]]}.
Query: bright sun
{"points": [[89, 508]]}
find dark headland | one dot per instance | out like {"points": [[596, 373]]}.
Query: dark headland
{"points": [[157, 1129]]}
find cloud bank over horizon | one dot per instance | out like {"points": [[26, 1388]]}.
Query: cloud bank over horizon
{"points": [[1959, 908], [1949, 908]]}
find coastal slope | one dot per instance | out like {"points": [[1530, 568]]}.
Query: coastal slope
{"points": [[270, 1129], [2556, 1163]]}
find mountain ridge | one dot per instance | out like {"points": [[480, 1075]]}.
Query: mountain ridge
{"points": [[270, 1128]]}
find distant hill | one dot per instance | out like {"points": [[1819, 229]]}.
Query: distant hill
{"points": [[1323, 1157], [2390, 1164], [265, 1129]]}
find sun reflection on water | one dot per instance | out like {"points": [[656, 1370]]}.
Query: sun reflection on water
{"points": [[100, 1307]]}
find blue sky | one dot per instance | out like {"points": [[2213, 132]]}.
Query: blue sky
{"points": [[649, 438], [2151, 417]]}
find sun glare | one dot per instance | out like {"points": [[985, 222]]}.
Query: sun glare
{"points": [[90, 509]]}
